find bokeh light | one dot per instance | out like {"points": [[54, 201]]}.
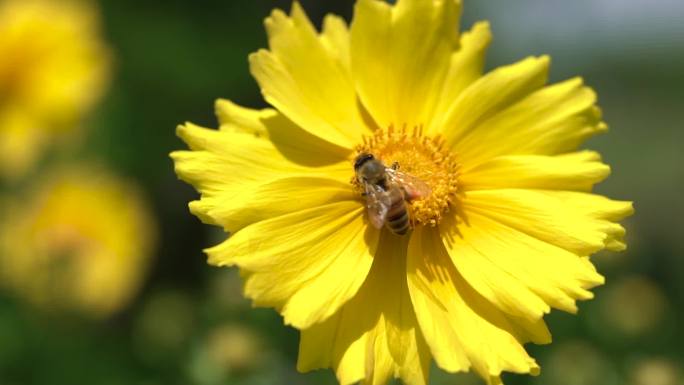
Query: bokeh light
{"points": [[656, 371]]}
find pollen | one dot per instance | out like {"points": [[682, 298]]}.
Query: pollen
{"points": [[422, 157]]}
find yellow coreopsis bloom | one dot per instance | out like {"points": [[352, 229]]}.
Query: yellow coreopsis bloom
{"points": [[53, 67], [504, 235], [80, 241]]}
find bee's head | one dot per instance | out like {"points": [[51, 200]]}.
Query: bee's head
{"points": [[361, 160], [369, 169]]}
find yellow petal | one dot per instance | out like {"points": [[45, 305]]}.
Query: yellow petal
{"points": [[302, 79], [492, 93], [577, 171], [552, 120], [293, 142], [235, 172], [307, 264], [235, 118], [335, 38], [461, 327], [374, 337], [521, 275], [465, 67], [578, 222], [272, 198], [400, 55]]}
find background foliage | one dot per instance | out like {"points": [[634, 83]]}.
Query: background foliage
{"points": [[189, 324]]}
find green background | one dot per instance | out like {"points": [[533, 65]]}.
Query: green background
{"points": [[174, 58]]}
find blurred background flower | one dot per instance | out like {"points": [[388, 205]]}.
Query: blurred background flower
{"points": [[54, 67], [80, 240], [173, 61]]}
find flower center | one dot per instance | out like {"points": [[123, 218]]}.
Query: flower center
{"points": [[421, 157]]}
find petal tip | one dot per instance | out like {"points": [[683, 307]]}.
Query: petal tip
{"points": [[254, 57], [296, 9], [545, 59], [483, 26], [220, 104], [183, 132], [276, 16], [629, 208], [176, 155], [479, 35], [331, 19], [535, 370]]}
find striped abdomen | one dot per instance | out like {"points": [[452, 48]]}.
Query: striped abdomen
{"points": [[397, 216]]}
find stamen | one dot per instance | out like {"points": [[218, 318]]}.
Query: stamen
{"points": [[423, 157]]}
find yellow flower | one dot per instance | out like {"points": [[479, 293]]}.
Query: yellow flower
{"points": [[504, 236], [53, 67], [81, 241]]}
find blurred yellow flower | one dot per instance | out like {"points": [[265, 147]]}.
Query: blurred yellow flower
{"points": [[81, 241], [503, 236], [53, 67], [233, 347]]}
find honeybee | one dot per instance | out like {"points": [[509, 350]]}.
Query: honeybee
{"points": [[387, 192]]}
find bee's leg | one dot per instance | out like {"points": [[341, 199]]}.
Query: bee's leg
{"points": [[395, 166], [405, 193]]}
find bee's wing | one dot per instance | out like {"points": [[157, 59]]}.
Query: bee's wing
{"points": [[378, 203], [414, 187]]}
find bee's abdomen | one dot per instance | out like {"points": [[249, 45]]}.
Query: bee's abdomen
{"points": [[398, 217]]}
